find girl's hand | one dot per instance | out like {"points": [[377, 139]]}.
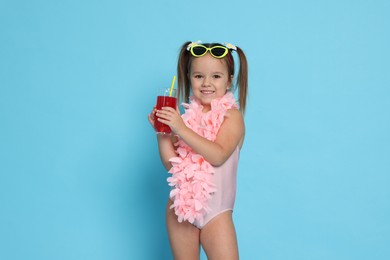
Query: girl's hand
{"points": [[171, 117], [165, 142], [152, 117]]}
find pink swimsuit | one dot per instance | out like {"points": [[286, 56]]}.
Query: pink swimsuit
{"points": [[224, 179], [201, 191]]}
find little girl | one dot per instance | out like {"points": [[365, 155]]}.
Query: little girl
{"points": [[202, 154]]}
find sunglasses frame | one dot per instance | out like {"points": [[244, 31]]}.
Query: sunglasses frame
{"points": [[209, 49]]}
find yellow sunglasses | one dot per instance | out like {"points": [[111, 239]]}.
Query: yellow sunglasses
{"points": [[198, 50]]}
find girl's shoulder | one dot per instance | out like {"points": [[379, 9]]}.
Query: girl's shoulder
{"points": [[234, 118], [234, 112]]}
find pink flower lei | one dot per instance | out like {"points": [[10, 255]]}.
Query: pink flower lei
{"points": [[191, 174]]}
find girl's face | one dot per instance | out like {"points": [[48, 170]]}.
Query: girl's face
{"points": [[209, 79]]}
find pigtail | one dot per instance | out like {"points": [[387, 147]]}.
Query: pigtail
{"points": [[183, 64], [242, 80]]}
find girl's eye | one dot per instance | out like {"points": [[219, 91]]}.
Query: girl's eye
{"points": [[197, 76], [217, 76]]}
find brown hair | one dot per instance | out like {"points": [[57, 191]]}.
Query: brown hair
{"points": [[184, 67]]}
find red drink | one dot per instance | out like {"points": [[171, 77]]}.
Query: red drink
{"points": [[164, 101]]}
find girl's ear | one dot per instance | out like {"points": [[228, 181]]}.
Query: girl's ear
{"points": [[230, 82]]}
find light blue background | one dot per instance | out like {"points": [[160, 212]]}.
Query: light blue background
{"points": [[80, 176]]}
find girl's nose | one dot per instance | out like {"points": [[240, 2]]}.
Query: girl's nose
{"points": [[206, 82]]}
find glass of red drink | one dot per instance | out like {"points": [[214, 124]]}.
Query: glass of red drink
{"points": [[165, 98]]}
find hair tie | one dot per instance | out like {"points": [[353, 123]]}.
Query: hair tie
{"points": [[192, 44], [230, 46]]}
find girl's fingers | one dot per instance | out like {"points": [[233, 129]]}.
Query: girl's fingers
{"points": [[168, 108], [163, 112]]}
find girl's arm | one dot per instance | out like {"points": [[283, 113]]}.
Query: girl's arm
{"points": [[231, 134], [165, 144], [166, 149]]}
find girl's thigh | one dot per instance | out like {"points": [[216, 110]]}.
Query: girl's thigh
{"points": [[183, 237], [218, 238]]}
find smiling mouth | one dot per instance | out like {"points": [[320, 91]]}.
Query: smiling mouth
{"points": [[207, 92]]}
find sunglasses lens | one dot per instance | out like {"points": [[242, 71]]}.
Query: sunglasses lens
{"points": [[199, 50], [218, 51]]}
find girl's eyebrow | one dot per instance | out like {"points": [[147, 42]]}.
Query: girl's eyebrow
{"points": [[215, 72]]}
